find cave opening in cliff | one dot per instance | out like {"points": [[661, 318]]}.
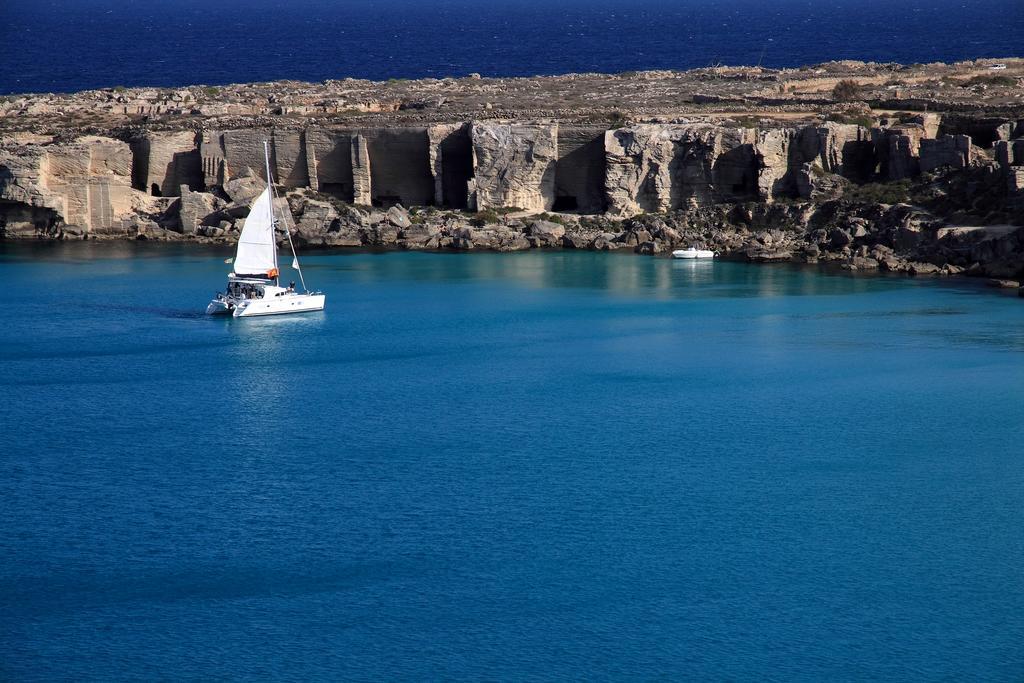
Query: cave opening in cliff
{"points": [[982, 131], [734, 174], [332, 163], [580, 170], [386, 201], [984, 137], [859, 161], [456, 169], [400, 167], [19, 219], [565, 202], [155, 190]]}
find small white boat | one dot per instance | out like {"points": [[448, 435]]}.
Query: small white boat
{"points": [[254, 288], [694, 253]]}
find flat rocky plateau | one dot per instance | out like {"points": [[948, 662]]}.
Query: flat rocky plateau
{"points": [[908, 168]]}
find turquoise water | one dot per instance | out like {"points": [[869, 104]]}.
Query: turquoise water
{"points": [[507, 467]]}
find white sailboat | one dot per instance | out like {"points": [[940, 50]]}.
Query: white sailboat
{"points": [[254, 288]]}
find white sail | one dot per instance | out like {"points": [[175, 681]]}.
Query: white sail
{"points": [[257, 249]]}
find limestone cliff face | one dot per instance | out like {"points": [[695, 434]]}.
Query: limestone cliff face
{"points": [[439, 136], [788, 159], [96, 184], [514, 165], [164, 161], [898, 150], [656, 168], [772, 149], [86, 183], [359, 158], [954, 151], [21, 178], [329, 160], [228, 153], [1010, 153], [845, 149]]}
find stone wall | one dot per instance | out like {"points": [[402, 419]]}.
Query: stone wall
{"points": [[243, 149]]}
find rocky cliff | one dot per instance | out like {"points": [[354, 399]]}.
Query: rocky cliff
{"points": [[163, 181]]}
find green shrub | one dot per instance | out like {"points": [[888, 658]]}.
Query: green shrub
{"points": [[1000, 80], [211, 91], [897, 192], [859, 118], [485, 217], [847, 90], [617, 120], [552, 218]]}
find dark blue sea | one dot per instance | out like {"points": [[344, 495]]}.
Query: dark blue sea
{"points": [[535, 466], [67, 45]]}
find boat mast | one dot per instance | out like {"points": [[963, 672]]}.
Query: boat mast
{"points": [[270, 186], [287, 230]]}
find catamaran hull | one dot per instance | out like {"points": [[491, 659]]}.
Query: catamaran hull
{"points": [[218, 307], [282, 305]]}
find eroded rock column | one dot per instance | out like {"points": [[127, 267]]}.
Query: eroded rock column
{"points": [[361, 189]]}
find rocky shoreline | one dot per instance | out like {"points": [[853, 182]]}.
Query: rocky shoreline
{"points": [[913, 169], [855, 236]]}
